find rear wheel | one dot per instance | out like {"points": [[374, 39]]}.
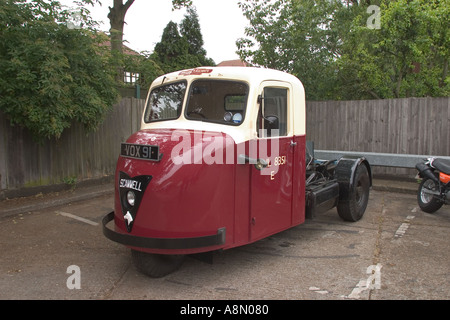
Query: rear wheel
{"points": [[354, 207], [427, 201], [156, 265]]}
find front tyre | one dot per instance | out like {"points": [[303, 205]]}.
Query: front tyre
{"points": [[428, 202], [156, 265], [353, 208]]}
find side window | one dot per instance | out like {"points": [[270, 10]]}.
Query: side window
{"points": [[272, 118]]}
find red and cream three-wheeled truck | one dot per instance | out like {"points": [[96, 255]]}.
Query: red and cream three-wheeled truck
{"points": [[220, 161]]}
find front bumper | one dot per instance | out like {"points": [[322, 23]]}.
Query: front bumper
{"points": [[161, 243]]}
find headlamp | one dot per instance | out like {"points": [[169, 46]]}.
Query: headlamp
{"points": [[131, 198]]}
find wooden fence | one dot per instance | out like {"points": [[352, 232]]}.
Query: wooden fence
{"points": [[78, 154], [418, 126], [405, 126]]}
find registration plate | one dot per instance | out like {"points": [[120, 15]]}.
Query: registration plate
{"points": [[140, 151]]}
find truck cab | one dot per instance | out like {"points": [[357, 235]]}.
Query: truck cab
{"points": [[220, 161]]}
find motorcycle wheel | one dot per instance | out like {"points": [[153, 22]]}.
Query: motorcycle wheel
{"points": [[156, 265], [428, 202]]}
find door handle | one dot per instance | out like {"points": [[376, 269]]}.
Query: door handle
{"points": [[259, 163]]}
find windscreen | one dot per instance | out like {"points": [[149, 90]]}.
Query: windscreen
{"points": [[165, 102], [219, 101]]}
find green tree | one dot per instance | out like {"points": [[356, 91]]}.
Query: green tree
{"points": [[51, 75], [191, 31], [117, 14], [331, 48], [116, 18], [408, 56], [171, 51], [178, 51], [293, 36]]}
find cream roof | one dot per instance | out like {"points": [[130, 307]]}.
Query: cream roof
{"points": [[255, 78]]}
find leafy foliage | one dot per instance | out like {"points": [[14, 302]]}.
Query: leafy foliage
{"points": [[178, 4], [330, 47], [50, 75], [407, 57], [293, 36], [143, 64], [146, 66], [181, 49]]}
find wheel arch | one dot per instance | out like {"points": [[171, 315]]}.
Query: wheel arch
{"points": [[345, 174]]}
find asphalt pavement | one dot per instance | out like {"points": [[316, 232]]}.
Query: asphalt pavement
{"points": [[53, 248]]}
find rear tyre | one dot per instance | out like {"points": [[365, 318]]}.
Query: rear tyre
{"points": [[354, 207], [156, 265], [428, 202]]}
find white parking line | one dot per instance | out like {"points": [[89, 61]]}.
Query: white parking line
{"points": [[403, 227], [66, 214], [371, 283], [315, 289]]}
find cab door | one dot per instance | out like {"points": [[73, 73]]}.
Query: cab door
{"points": [[271, 180]]}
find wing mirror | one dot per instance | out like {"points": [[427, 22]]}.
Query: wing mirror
{"points": [[272, 123]]}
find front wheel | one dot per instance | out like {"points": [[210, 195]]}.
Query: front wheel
{"points": [[353, 208], [156, 265], [428, 202]]}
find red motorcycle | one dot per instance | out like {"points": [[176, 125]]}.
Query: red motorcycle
{"points": [[434, 190]]}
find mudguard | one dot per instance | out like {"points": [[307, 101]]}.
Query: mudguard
{"points": [[345, 174]]}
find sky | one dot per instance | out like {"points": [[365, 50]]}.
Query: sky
{"points": [[221, 23]]}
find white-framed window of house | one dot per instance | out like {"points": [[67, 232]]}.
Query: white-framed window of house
{"points": [[130, 77]]}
